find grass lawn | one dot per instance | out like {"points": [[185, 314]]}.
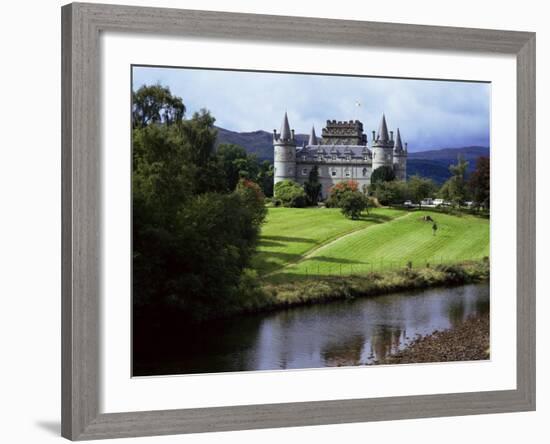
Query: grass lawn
{"points": [[299, 243], [290, 233]]}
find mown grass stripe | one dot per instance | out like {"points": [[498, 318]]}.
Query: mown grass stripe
{"points": [[393, 243]]}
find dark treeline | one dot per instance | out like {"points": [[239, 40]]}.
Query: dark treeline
{"points": [[196, 214]]}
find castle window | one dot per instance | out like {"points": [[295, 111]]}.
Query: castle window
{"points": [[333, 173], [303, 157], [364, 172], [334, 157], [348, 173], [304, 171], [348, 157]]}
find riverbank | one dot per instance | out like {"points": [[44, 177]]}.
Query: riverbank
{"points": [[267, 297], [322, 289], [467, 341]]}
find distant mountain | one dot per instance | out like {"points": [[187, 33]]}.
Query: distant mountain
{"points": [[257, 142], [468, 153], [433, 163], [435, 170]]}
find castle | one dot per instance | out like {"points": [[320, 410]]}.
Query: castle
{"points": [[340, 154]]}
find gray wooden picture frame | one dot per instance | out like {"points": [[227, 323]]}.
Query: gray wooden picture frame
{"points": [[81, 167]]}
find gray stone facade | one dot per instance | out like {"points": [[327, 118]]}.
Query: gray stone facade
{"points": [[342, 153]]}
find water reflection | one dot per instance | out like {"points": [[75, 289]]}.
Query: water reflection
{"points": [[341, 333]]}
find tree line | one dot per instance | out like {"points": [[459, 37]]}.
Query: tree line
{"points": [[455, 192], [386, 190]]}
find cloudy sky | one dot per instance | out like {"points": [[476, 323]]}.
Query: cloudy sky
{"points": [[430, 114]]}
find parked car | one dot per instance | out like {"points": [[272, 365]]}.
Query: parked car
{"points": [[408, 203], [441, 203]]}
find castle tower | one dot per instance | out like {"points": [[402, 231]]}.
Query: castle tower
{"points": [[400, 158], [284, 145], [313, 137], [382, 147]]}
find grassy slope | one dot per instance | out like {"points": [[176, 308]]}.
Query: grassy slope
{"points": [[392, 244], [290, 233]]}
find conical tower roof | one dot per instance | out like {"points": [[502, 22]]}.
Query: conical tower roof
{"points": [[285, 129], [398, 142], [313, 137], [383, 130]]}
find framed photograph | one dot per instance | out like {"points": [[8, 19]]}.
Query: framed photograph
{"points": [[278, 221]]}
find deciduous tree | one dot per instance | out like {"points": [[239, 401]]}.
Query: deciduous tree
{"points": [[353, 203], [455, 189], [290, 194], [382, 174], [421, 188], [155, 104], [480, 183]]}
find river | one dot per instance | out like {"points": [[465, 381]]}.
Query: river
{"points": [[354, 332]]}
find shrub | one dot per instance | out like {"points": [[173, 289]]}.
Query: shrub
{"points": [[290, 194]]}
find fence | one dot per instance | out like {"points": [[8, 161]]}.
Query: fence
{"points": [[351, 269]]}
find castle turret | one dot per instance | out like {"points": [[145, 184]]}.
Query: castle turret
{"points": [[382, 147], [284, 145], [313, 137], [399, 158]]}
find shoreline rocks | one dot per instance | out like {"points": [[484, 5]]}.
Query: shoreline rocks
{"points": [[466, 341]]}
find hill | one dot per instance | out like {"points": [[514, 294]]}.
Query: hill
{"points": [[255, 142], [468, 153], [432, 163], [315, 242], [290, 233], [435, 163]]}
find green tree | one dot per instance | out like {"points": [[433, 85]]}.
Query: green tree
{"points": [[353, 203], [480, 183], [454, 189], [265, 178], [155, 104], [237, 164], [192, 239], [313, 187], [382, 174], [290, 194], [421, 188], [253, 197], [394, 192]]}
